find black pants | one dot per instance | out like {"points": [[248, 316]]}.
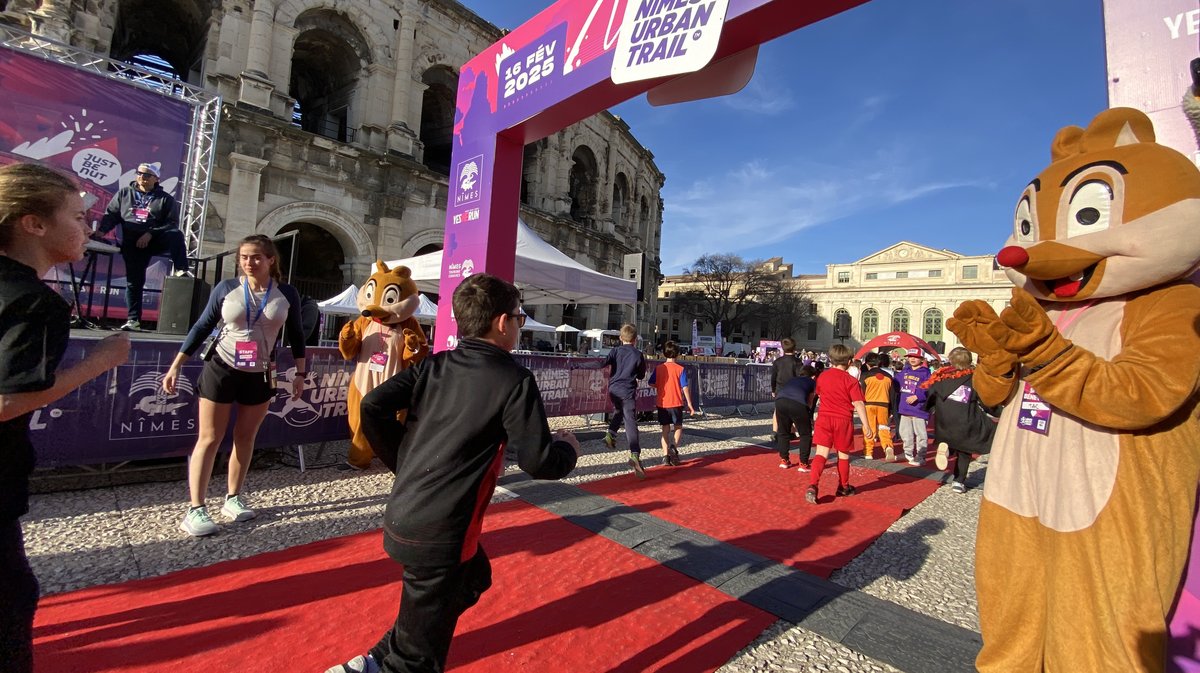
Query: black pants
{"points": [[137, 259], [432, 600], [789, 413], [18, 600], [626, 410], [962, 463]]}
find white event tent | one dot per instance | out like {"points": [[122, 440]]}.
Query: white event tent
{"points": [[544, 275], [344, 303]]}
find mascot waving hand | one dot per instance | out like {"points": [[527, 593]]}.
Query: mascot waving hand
{"points": [[385, 340], [1087, 511]]}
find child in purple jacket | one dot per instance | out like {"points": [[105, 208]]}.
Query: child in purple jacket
{"points": [[913, 416]]}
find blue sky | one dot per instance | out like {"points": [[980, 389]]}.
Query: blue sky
{"points": [[917, 120]]}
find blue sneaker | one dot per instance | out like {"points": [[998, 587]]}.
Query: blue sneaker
{"points": [[197, 523]]}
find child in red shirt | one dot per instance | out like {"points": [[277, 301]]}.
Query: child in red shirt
{"points": [[841, 397]]}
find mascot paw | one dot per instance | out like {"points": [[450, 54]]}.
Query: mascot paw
{"points": [[970, 324], [1025, 329], [411, 341]]}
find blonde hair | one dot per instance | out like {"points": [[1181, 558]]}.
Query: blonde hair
{"points": [[267, 247], [839, 354], [30, 189], [960, 357], [628, 333]]}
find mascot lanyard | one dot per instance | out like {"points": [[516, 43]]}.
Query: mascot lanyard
{"points": [[379, 358], [246, 352], [1034, 414]]}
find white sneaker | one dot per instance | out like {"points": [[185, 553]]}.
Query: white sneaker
{"points": [[182, 273], [197, 522], [363, 663], [236, 511], [942, 459]]}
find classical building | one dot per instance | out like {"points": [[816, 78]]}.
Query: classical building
{"points": [[337, 122], [906, 287]]}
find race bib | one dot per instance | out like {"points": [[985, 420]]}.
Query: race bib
{"points": [[378, 362], [245, 355], [141, 214], [1034, 414]]}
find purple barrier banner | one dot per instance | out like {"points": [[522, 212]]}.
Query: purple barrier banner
{"points": [[124, 415]]}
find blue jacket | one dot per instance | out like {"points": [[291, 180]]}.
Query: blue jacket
{"points": [[910, 381], [626, 366]]}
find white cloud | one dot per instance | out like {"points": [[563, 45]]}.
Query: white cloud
{"points": [[758, 203], [760, 98]]}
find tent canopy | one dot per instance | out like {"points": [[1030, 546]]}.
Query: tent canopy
{"points": [[426, 310], [895, 340], [566, 328], [532, 325], [344, 303], [544, 275]]}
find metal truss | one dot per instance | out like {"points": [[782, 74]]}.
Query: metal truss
{"points": [[206, 113]]}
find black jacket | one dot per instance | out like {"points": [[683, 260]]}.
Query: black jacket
{"points": [[959, 418], [785, 368], [163, 216], [465, 407]]}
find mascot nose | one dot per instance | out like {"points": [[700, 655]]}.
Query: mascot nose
{"points": [[1012, 256], [366, 314]]}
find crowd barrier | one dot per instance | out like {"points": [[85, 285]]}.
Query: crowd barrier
{"points": [[124, 415]]}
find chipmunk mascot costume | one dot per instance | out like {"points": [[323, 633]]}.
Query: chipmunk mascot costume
{"points": [[385, 340], [1088, 507]]}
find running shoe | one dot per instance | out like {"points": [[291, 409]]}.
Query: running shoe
{"points": [[672, 456], [889, 454], [236, 510], [363, 663], [845, 491], [810, 495], [942, 459], [803, 467], [609, 440], [635, 461], [197, 523], [958, 487], [785, 464]]}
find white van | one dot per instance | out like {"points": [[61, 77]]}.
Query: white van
{"points": [[598, 342]]}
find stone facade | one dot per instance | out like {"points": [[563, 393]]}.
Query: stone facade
{"points": [[906, 287], [337, 123]]}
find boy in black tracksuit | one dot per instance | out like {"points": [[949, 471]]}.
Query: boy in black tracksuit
{"points": [[464, 407], [626, 366]]}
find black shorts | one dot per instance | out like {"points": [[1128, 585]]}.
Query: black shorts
{"points": [[225, 385], [672, 416]]}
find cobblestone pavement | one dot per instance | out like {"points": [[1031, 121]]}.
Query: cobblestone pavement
{"points": [[108, 534]]}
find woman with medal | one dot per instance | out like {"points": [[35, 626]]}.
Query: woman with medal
{"points": [[252, 310]]}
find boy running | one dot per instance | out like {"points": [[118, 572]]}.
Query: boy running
{"points": [[626, 366]]}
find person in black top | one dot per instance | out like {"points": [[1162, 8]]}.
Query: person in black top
{"points": [[793, 410], [464, 407], [626, 366], [42, 223], [149, 221]]}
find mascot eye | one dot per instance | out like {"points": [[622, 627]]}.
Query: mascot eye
{"points": [[1024, 230], [1090, 208], [369, 290], [391, 295]]}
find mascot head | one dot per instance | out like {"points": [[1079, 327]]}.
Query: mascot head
{"points": [[389, 296], [1113, 213]]}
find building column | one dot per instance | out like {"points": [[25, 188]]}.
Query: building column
{"points": [[52, 20], [400, 136], [256, 86], [245, 180]]}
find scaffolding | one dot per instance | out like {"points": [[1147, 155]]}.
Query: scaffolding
{"points": [[202, 138]]}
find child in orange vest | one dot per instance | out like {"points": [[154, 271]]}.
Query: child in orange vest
{"points": [[880, 398]]}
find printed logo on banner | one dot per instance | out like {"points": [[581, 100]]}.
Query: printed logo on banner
{"points": [[322, 398], [97, 165], [667, 37], [147, 411], [469, 215], [469, 176], [462, 269]]}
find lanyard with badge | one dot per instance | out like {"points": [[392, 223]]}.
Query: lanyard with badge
{"points": [[246, 353], [379, 359], [1034, 414], [141, 206]]}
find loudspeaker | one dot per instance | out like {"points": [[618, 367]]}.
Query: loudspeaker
{"points": [[183, 298], [842, 328], [939, 346]]}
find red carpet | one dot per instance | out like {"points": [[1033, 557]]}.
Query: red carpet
{"points": [[562, 600], [743, 498]]}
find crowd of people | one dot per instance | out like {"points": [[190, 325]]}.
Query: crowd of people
{"points": [[474, 403]]}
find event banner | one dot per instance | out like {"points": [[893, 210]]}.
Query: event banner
{"points": [[98, 129], [125, 415], [1150, 45]]}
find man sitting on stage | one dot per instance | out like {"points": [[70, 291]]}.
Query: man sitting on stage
{"points": [[149, 219]]}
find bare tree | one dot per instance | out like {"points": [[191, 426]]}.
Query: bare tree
{"points": [[728, 288], [788, 309]]}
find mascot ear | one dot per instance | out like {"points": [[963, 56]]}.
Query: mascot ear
{"points": [[403, 271], [1065, 143], [380, 267], [1117, 127]]}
